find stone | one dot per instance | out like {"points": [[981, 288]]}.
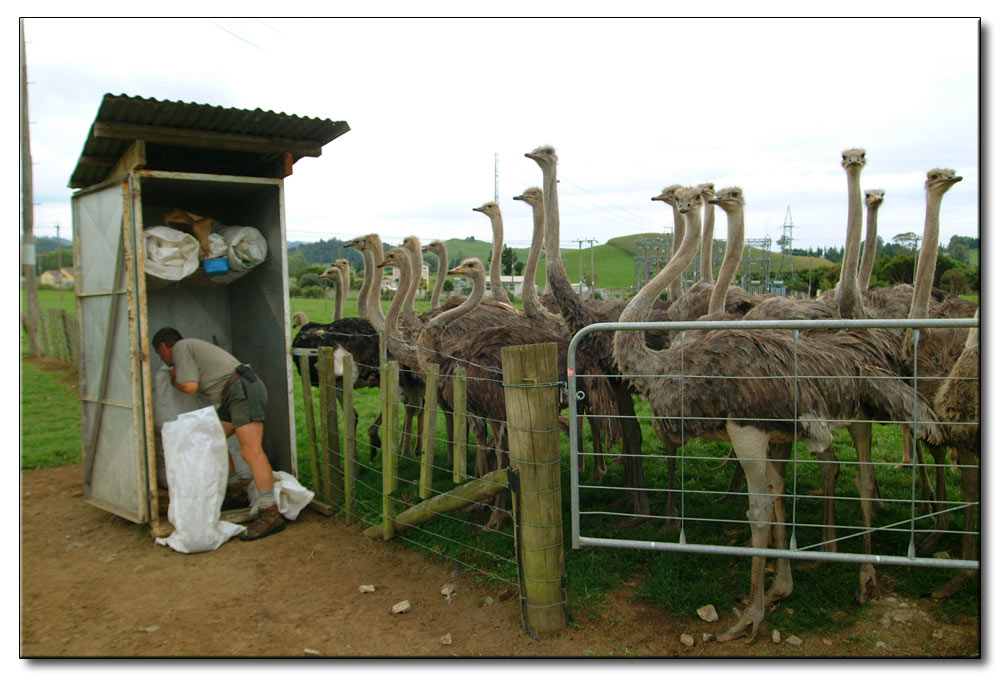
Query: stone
{"points": [[687, 640], [446, 639], [311, 652], [447, 589], [827, 642], [366, 588], [708, 613], [401, 608], [885, 621], [938, 634], [776, 636], [793, 640], [150, 628], [881, 645]]}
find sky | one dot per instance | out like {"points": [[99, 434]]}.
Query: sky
{"points": [[630, 105]]}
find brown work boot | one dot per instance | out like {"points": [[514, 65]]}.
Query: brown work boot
{"points": [[236, 497], [269, 521]]}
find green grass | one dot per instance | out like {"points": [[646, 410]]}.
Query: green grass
{"points": [[50, 415]]}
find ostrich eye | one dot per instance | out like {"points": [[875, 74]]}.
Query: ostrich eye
{"points": [[843, 157]]}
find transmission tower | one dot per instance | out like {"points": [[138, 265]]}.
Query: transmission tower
{"points": [[496, 177], [654, 255], [761, 260], [785, 243]]}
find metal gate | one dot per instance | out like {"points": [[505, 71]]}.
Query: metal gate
{"points": [[587, 530]]}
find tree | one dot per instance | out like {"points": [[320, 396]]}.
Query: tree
{"points": [[898, 270], [448, 285], [959, 252], [955, 281], [507, 260], [908, 240], [519, 268], [310, 280], [297, 262]]}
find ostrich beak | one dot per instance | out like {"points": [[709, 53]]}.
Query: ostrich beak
{"points": [[660, 198], [478, 209], [955, 179], [458, 270], [518, 197]]}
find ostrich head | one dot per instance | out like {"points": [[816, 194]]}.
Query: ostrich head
{"points": [[533, 196], [436, 247], [940, 180], [412, 243], [470, 268], [397, 256], [689, 199], [489, 208], [853, 158], [544, 156], [668, 194], [707, 190], [364, 242], [729, 199], [874, 197], [331, 273], [299, 319]]}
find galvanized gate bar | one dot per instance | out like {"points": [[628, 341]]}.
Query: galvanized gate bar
{"points": [[577, 540]]}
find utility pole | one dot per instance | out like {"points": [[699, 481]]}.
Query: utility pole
{"points": [[580, 243], [496, 177], [30, 317], [59, 261]]}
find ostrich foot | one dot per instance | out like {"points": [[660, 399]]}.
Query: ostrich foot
{"points": [[632, 521], [738, 629], [952, 586], [496, 521], [930, 542], [867, 585], [597, 475]]}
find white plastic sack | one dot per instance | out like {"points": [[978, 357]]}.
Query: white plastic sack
{"points": [[170, 254], [168, 404], [245, 248], [217, 246], [195, 451], [289, 495]]}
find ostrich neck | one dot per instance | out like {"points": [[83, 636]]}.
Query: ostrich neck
{"points": [[730, 260], [338, 290], [496, 285], [927, 263], [573, 310], [377, 317], [401, 350], [677, 285], [416, 273], [442, 255], [630, 349], [533, 308], [706, 243], [366, 284], [466, 307], [871, 245], [848, 293]]}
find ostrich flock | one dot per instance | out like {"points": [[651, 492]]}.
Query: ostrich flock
{"points": [[848, 378]]}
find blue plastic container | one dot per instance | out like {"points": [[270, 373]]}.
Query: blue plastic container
{"points": [[213, 267]]}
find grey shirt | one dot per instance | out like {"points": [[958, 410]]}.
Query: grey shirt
{"points": [[206, 363]]}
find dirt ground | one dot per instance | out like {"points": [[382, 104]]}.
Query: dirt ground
{"points": [[93, 584]]}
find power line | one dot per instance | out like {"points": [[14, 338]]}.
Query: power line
{"points": [[237, 36]]}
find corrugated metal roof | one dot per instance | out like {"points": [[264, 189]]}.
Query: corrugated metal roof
{"points": [[200, 117]]}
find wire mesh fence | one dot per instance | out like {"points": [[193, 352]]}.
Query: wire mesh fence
{"points": [[694, 488]]}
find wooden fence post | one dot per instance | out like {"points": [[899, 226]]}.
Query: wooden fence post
{"points": [[58, 346], [67, 327], [307, 404], [461, 425], [330, 453], [389, 388], [430, 429], [350, 439], [531, 392]]}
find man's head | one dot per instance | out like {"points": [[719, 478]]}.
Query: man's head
{"points": [[163, 344]]}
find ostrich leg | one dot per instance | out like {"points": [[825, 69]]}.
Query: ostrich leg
{"points": [[781, 587], [600, 465], [635, 477], [861, 434], [940, 456], [970, 492], [751, 449]]}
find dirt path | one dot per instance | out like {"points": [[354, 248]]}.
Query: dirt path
{"points": [[93, 584]]}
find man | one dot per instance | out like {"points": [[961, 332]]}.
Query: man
{"points": [[200, 366]]}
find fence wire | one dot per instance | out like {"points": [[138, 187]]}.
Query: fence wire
{"points": [[705, 510]]}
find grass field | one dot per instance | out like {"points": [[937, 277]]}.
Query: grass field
{"points": [[679, 582]]}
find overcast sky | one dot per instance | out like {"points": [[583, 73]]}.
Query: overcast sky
{"points": [[631, 105]]}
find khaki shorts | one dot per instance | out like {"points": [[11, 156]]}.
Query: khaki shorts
{"points": [[244, 403]]}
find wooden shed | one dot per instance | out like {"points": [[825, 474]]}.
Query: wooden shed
{"points": [[142, 159]]}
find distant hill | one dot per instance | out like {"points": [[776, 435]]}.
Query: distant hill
{"points": [[50, 244]]}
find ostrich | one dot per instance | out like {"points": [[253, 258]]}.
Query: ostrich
{"points": [[492, 210], [597, 345], [669, 196], [439, 249], [335, 275], [599, 395], [299, 319], [750, 414], [708, 230], [873, 200]]}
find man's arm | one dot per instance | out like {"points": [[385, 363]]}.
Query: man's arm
{"points": [[189, 387]]}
